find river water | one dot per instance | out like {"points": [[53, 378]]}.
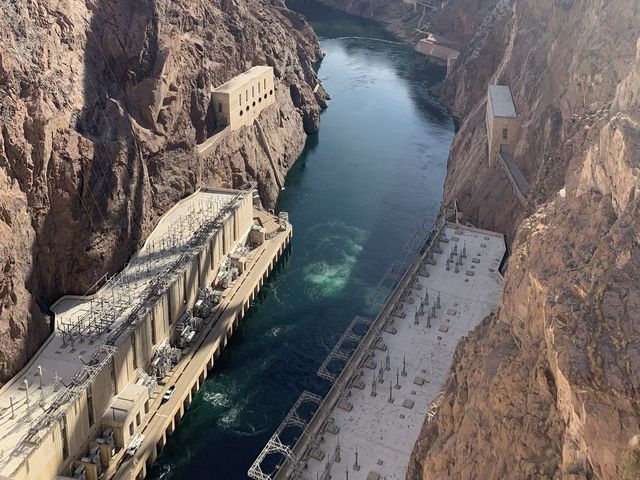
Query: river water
{"points": [[364, 183]]}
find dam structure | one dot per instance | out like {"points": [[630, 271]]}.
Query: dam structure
{"points": [[100, 397], [386, 373]]}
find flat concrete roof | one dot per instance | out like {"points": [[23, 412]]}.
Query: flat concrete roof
{"points": [[385, 433], [162, 255], [502, 101], [122, 403], [242, 79]]}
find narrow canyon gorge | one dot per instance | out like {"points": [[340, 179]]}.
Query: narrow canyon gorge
{"points": [[103, 104], [548, 387]]}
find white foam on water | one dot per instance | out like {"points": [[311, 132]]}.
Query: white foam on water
{"points": [[276, 332], [341, 245], [216, 399]]}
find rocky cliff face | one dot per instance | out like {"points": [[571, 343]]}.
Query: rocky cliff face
{"points": [[101, 105], [549, 387]]}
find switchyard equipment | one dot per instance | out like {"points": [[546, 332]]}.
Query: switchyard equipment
{"points": [[88, 386], [375, 407]]}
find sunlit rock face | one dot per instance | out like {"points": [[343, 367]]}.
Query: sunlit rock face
{"points": [[548, 387], [101, 105]]}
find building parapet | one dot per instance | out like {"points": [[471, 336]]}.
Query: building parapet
{"points": [[240, 101]]}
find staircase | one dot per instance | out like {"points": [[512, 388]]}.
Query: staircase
{"points": [[265, 145]]}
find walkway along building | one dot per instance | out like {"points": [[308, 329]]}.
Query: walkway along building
{"points": [[99, 398]]}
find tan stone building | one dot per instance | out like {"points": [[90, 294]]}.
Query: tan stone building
{"points": [[88, 405], [239, 101], [503, 123]]}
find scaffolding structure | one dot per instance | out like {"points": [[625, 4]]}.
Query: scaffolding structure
{"points": [[52, 414], [341, 350], [275, 444], [70, 393]]}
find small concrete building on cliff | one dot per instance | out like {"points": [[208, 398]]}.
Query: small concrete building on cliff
{"points": [[503, 123], [239, 101]]}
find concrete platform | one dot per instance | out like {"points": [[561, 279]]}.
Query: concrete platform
{"points": [[386, 417], [34, 389]]}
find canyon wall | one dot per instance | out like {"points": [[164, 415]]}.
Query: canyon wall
{"points": [[549, 386], [101, 105]]}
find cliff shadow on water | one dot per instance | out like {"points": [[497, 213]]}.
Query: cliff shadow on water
{"points": [[328, 22]]}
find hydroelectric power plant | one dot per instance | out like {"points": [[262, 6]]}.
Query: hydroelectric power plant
{"points": [[101, 395], [385, 373]]}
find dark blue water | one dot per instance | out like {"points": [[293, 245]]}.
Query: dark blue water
{"points": [[356, 195]]}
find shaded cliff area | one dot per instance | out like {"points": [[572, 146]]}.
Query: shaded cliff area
{"points": [[101, 105], [549, 386]]}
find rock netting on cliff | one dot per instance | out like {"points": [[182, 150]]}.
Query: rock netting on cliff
{"points": [[101, 105]]}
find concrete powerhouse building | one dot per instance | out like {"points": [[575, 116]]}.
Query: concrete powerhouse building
{"points": [[89, 404], [239, 101], [503, 123]]}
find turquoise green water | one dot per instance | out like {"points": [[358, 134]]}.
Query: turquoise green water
{"points": [[363, 185]]}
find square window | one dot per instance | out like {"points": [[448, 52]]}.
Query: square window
{"points": [[505, 133]]}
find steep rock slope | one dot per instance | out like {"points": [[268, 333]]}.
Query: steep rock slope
{"points": [[101, 105], [549, 387]]}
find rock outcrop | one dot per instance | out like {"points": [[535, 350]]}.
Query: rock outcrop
{"points": [[101, 105]]}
